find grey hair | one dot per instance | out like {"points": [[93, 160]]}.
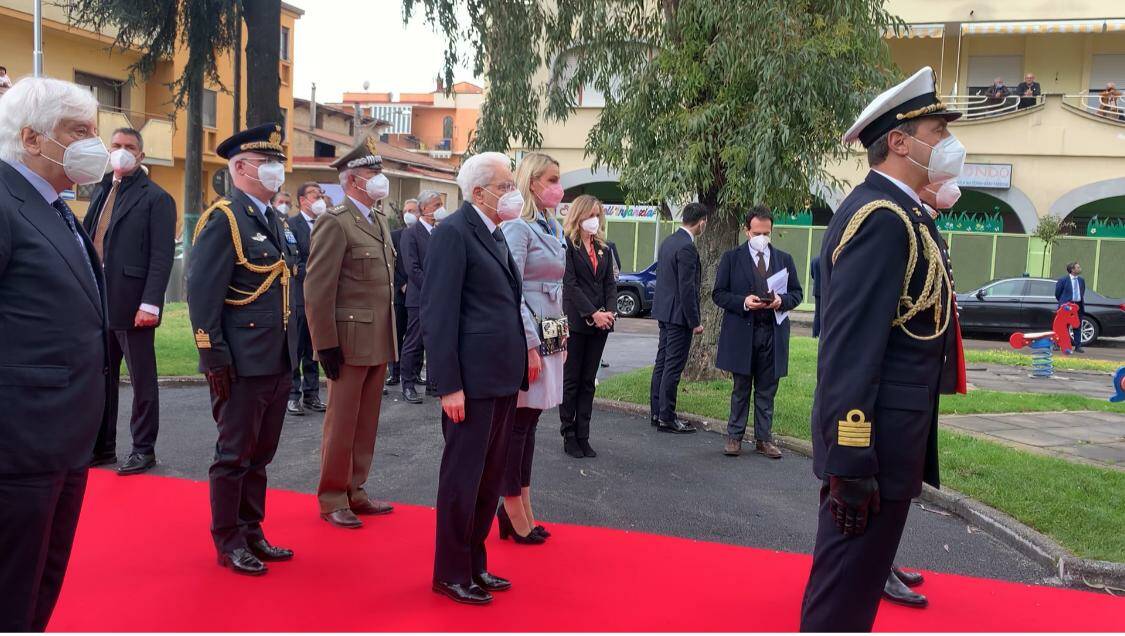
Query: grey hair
{"points": [[878, 151], [344, 174], [414, 201], [427, 196], [479, 170], [40, 103]]}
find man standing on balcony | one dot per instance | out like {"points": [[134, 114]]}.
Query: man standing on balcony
{"points": [[1028, 90], [132, 222], [883, 358]]}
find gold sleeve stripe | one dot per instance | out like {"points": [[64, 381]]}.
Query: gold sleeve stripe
{"points": [[853, 443]]}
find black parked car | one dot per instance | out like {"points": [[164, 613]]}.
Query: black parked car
{"points": [[635, 292], [1009, 305]]}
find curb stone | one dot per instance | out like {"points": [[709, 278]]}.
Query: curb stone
{"points": [[1101, 575]]}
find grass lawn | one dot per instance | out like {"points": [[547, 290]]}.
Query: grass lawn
{"points": [[1082, 507], [175, 345]]}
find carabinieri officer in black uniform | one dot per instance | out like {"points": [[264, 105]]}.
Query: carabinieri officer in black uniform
{"points": [[238, 298], [887, 339]]}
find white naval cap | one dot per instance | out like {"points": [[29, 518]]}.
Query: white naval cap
{"points": [[913, 98]]}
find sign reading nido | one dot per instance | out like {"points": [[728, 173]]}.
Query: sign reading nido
{"points": [[996, 176]]}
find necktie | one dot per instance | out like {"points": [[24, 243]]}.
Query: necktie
{"points": [[502, 244], [68, 218], [762, 264], [1077, 297], [104, 219]]}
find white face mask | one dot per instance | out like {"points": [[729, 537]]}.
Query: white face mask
{"points": [[947, 195], [318, 207], [947, 159], [760, 242], [283, 208], [510, 206], [377, 187], [271, 175], [410, 218], [122, 161], [591, 225], [441, 214], [84, 161]]}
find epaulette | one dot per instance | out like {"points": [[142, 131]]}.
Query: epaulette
{"points": [[339, 209]]}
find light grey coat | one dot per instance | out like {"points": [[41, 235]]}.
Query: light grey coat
{"points": [[539, 251]]}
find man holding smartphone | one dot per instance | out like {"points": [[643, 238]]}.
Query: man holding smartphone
{"points": [[753, 346]]}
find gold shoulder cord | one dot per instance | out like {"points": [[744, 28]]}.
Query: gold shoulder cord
{"points": [[278, 269], [932, 294]]}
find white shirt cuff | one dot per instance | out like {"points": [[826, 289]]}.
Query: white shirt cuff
{"points": [[152, 309]]}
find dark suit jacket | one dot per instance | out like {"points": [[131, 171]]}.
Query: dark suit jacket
{"points": [[139, 245], [734, 281], [252, 337], [677, 281], [415, 246], [474, 340], [586, 291], [400, 268], [1064, 293], [814, 274], [53, 334], [300, 229]]}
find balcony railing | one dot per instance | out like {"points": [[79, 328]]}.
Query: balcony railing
{"points": [[981, 106], [1094, 103]]}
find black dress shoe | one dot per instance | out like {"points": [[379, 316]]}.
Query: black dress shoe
{"points": [[293, 407], [392, 380], [655, 421], [678, 426], [266, 552], [896, 592], [410, 394], [571, 447], [909, 579], [342, 518], [137, 463], [467, 594], [103, 458], [314, 404], [491, 582], [603, 363], [242, 561], [587, 451]]}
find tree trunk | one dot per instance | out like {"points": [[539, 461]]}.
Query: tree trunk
{"points": [[193, 163], [263, 53], [721, 235]]}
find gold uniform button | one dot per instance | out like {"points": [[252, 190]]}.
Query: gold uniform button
{"points": [[351, 317], [251, 324]]}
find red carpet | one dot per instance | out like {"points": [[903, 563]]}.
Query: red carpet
{"points": [[143, 561]]}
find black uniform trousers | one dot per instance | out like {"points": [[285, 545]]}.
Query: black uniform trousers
{"points": [[671, 357], [394, 368], [138, 348], [583, 357], [469, 484], [521, 451], [36, 530], [848, 573], [249, 424], [412, 347], [306, 375], [764, 382]]}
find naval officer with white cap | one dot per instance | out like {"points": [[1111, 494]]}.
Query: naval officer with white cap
{"points": [[886, 352]]}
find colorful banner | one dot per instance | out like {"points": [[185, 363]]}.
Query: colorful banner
{"points": [[622, 212], [970, 222], [1106, 228]]}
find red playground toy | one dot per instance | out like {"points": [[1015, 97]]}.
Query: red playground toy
{"points": [[1041, 343]]}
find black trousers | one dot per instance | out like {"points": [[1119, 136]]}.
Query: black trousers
{"points": [[412, 348], [37, 531], [671, 356], [764, 383], [393, 368], [306, 375], [848, 573], [249, 429], [521, 451], [138, 348], [583, 356], [469, 484]]}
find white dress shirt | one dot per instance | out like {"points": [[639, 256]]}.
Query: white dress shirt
{"points": [[1075, 290], [309, 220], [754, 254], [487, 221], [902, 186], [429, 228]]}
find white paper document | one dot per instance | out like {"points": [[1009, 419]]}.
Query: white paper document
{"points": [[779, 284]]}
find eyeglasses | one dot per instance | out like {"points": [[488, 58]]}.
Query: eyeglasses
{"points": [[505, 187]]}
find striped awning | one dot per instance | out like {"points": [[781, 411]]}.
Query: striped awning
{"points": [[1043, 26], [917, 31]]}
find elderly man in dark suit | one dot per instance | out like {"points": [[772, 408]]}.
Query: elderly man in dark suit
{"points": [[753, 345], [132, 222], [409, 219], [415, 244], [53, 362], [478, 360], [305, 393], [676, 306], [1072, 289]]}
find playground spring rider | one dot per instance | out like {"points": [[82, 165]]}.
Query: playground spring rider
{"points": [[1041, 343]]}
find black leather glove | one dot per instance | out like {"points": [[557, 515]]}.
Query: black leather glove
{"points": [[850, 500], [219, 380], [331, 359]]}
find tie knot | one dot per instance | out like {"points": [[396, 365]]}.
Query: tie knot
{"points": [[497, 234]]}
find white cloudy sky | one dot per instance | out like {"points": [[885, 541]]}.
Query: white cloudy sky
{"points": [[339, 44]]}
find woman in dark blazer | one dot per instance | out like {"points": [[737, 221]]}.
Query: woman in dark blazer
{"points": [[589, 294]]}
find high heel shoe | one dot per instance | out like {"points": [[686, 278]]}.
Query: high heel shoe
{"points": [[508, 531], [541, 531]]}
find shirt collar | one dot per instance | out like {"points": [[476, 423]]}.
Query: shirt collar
{"points": [[365, 209], [429, 228], [1073, 276], [754, 251], [37, 181], [487, 221], [902, 186], [261, 205], [308, 219], [690, 235]]}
